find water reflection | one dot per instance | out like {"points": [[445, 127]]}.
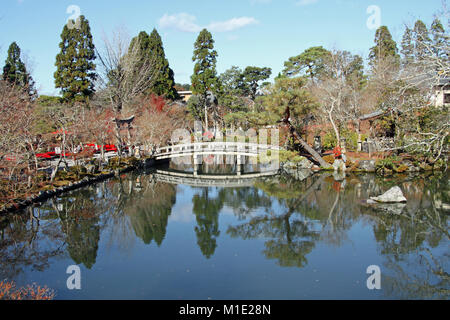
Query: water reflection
{"points": [[25, 244], [206, 210], [294, 218]]}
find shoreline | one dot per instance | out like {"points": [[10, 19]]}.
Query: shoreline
{"points": [[44, 195], [287, 167]]}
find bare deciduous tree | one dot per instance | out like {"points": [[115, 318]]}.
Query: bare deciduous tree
{"points": [[339, 89], [126, 72], [422, 124]]}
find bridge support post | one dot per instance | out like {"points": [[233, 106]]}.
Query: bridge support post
{"points": [[239, 164], [197, 163]]}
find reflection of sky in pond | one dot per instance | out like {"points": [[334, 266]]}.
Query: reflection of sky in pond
{"points": [[281, 239]]}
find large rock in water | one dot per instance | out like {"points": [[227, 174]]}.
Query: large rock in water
{"points": [[298, 174], [305, 164], [339, 165], [302, 164], [367, 165], [393, 195]]}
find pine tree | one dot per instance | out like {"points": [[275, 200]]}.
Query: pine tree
{"points": [[385, 47], [422, 40], [15, 71], [75, 74], [151, 50], [439, 38], [140, 56], [252, 77], [204, 78], [407, 47], [311, 63], [165, 82]]}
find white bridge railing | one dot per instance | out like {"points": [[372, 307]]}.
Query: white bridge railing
{"points": [[202, 148]]}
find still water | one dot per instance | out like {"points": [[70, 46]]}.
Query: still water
{"points": [[137, 237]]}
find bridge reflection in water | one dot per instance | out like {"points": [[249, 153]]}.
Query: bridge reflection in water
{"points": [[208, 180], [219, 153]]}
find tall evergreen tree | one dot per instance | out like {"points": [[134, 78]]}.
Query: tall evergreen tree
{"points": [[140, 56], [165, 82], [407, 47], [15, 71], [385, 47], [143, 40], [439, 38], [75, 74], [422, 40], [151, 50], [204, 78]]}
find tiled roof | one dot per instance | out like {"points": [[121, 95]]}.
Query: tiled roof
{"points": [[372, 115]]}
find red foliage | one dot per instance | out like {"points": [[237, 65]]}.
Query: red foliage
{"points": [[337, 152], [157, 102]]}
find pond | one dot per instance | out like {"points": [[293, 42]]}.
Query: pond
{"points": [[138, 237]]}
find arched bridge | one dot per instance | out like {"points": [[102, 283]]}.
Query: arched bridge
{"points": [[214, 148]]}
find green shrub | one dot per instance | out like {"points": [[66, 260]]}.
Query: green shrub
{"points": [[351, 137], [385, 164], [329, 140], [290, 156], [401, 168]]}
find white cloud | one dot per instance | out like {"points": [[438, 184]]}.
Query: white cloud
{"points": [[180, 21], [305, 2], [232, 24], [187, 23]]}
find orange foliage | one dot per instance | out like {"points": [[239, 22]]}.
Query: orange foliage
{"points": [[8, 291]]}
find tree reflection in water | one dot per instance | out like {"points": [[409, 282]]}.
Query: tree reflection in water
{"points": [[416, 238], [206, 210], [292, 216], [26, 244], [72, 223], [207, 207], [323, 210], [291, 239], [147, 205]]}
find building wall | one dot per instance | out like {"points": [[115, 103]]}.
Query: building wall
{"points": [[321, 129], [185, 95], [441, 96]]}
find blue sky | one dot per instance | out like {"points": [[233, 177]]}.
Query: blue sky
{"points": [[247, 32]]}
